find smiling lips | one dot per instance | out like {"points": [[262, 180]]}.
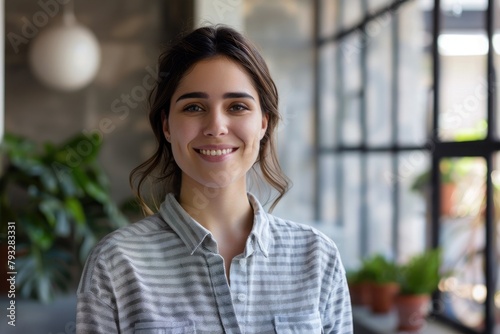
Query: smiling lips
{"points": [[215, 152]]}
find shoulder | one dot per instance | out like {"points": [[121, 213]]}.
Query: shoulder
{"points": [[302, 242], [141, 232], [129, 243], [294, 230], [289, 235], [301, 236]]}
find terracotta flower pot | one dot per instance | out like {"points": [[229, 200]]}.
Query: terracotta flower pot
{"points": [[412, 310], [360, 293], [382, 296], [447, 199]]}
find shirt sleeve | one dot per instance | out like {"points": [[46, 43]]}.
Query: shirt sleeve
{"points": [[96, 304], [93, 316], [338, 311]]}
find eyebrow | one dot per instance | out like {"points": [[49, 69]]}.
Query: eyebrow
{"points": [[202, 95], [233, 95]]}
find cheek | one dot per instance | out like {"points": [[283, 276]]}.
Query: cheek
{"points": [[182, 132], [180, 137], [252, 137], [251, 128]]}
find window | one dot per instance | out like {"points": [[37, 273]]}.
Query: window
{"points": [[406, 140]]}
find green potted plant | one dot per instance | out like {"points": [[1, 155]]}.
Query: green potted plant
{"points": [[359, 282], [58, 197], [384, 286], [454, 172], [418, 279], [450, 172]]}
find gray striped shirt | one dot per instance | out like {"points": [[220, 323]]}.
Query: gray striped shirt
{"points": [[163, 274]]}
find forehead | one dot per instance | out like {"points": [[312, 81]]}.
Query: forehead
{"points": [[217, 74]]}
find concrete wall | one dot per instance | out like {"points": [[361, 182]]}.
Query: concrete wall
{"points": [[131, 34]]}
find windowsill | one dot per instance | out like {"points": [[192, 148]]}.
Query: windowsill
{"points": [[365, 322]]}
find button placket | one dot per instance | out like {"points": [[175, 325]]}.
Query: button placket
{"points": [[242, 297], [239, 287], [222, 293], [239, 283]]}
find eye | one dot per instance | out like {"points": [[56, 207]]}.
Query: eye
{"points": [[192, 108], [238, 107]]}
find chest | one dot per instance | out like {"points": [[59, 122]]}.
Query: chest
{"points": [[194, 293]]}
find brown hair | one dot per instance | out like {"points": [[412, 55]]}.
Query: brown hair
{"points": [[203, 43]]}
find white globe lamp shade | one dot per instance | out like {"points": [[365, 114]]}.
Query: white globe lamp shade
{"points": [[65, 56]]}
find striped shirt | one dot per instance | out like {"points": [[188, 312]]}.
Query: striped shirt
{"points": [[164, 274]]}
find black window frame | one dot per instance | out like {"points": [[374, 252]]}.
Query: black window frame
{"points": [[437, 149]]}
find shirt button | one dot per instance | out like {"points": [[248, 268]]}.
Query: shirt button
{"points": [[243, 262], [242, 297]]}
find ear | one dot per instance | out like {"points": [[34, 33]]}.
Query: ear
{"points": [[166, 129], [265, 121]]}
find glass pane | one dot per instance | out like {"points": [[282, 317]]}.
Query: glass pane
{"points": [[331, 192], [328, 171], [415, 75], [351, 122], [351, 206], [329, 17], [380, 205], [352, 12], [462, 232], [463, 47], [496, 182], [496, 59], [328, 97], [462, 186], [413, 168], [378, 45], [349, 89], [375, 5], [350, 61]]}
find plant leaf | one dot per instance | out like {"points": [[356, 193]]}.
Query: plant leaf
{"points": [[75, 208]]}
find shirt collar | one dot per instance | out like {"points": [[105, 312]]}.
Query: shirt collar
{"points": [[194, 234], [188, 229], [260, 230]]}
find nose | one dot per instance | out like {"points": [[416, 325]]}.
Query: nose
{"points": [[216, 124]]}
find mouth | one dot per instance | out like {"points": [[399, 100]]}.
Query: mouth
{"points": [[216, 152]]}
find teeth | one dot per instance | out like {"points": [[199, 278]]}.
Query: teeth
{"points": [[216, 152]]}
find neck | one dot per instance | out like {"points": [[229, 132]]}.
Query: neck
{"points": [[218, 209]]}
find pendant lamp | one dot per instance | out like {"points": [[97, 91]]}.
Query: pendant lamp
{"points": [[65, 55]]}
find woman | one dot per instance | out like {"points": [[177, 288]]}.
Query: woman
{"points": [[212, 260]]}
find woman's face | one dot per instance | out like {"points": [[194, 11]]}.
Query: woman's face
{"points": [[215, 124]]}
